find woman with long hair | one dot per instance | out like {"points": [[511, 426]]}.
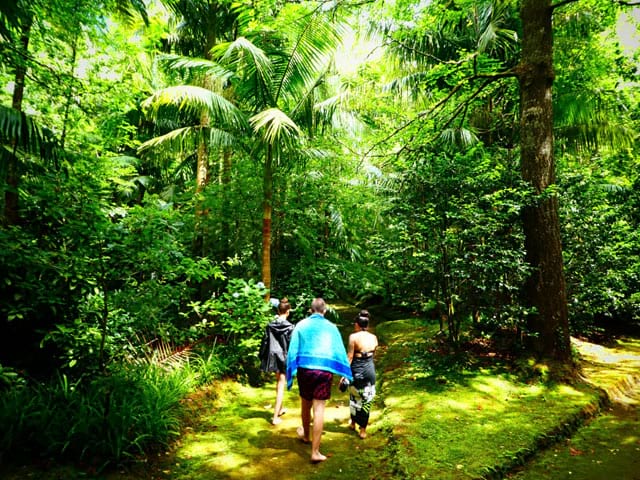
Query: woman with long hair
{"points": [[362, 345]]}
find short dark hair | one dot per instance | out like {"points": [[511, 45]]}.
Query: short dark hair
{"points": [[284, 306]]}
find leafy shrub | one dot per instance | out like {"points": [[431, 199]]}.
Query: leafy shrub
{"points": [[9, 377], [107, 420], [601, 244], [236, 318]]}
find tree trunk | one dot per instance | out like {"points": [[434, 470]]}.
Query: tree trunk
{"points": [[266, 219], [225, 181], [202, 166], [545, 288], [202, 179], [11, 203], [70, 89]]}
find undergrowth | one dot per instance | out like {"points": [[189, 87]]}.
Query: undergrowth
{"points": [[101, 421]]}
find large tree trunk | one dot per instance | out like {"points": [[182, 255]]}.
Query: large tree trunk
{"points": [[545, 289], [12, 175]]}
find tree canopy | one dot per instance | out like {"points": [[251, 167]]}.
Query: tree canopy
{"points": [[168, 165]]}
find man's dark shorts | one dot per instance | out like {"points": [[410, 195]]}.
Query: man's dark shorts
{"points": [[314, 384]]}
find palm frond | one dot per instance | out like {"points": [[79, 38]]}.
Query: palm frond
{"points": [[162, 353], [196, 65], [250, 62], [315, 40], [23, 133], [173, 140], [130, 9], [583, 121], [331, 112], [275, 126], [491, 19], [221, 138], [409, 85], [459, 136], [195, 99]]}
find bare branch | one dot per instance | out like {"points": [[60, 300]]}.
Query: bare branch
{"points": [[427, 54], [489, 78]]}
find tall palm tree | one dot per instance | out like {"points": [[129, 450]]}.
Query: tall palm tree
{"points": [[277, 76], [199, 26]]}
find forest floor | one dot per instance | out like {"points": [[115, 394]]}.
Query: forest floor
{"points": [[479, 419]]}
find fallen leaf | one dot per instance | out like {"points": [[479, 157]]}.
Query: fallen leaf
{"points": [[574, 451]]}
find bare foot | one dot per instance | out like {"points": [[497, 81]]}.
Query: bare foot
{"points": [[352, 426], [317, 457], [363, 433], [276, 421], [301, 437], [282, 412]]}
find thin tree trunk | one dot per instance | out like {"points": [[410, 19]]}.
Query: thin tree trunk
{"points": [[202, 167], [545, 289], [266, 219], [11, 202], [67, 107], [202, 178], [225, 182]]}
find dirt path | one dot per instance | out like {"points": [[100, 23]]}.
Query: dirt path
{"points": [[231, 437]]}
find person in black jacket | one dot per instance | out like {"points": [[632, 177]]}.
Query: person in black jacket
{"points": [[273, 353]]}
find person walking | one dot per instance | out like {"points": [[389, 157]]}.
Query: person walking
{"points": [[316, 352], [362, 345], [273, 353]]}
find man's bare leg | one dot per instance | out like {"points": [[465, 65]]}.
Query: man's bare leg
{"points": [[318, 426], [305, 415]]}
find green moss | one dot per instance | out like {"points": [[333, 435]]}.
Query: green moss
{"points": [[608, 448], [464, 422], [439, 415]]}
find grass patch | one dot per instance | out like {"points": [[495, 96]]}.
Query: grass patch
{"points": [[455, 418], [234, 439], [607, 448]]}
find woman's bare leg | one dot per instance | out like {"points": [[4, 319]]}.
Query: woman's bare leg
{"points": [[281, 380]]}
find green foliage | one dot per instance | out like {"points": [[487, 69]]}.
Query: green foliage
{"points": [[105, 420], [453, 250], [9, 378], [601, 251], [236, 318]]}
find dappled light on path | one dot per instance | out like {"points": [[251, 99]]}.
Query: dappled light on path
{"points": [[615, 369], [232, 437]]}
